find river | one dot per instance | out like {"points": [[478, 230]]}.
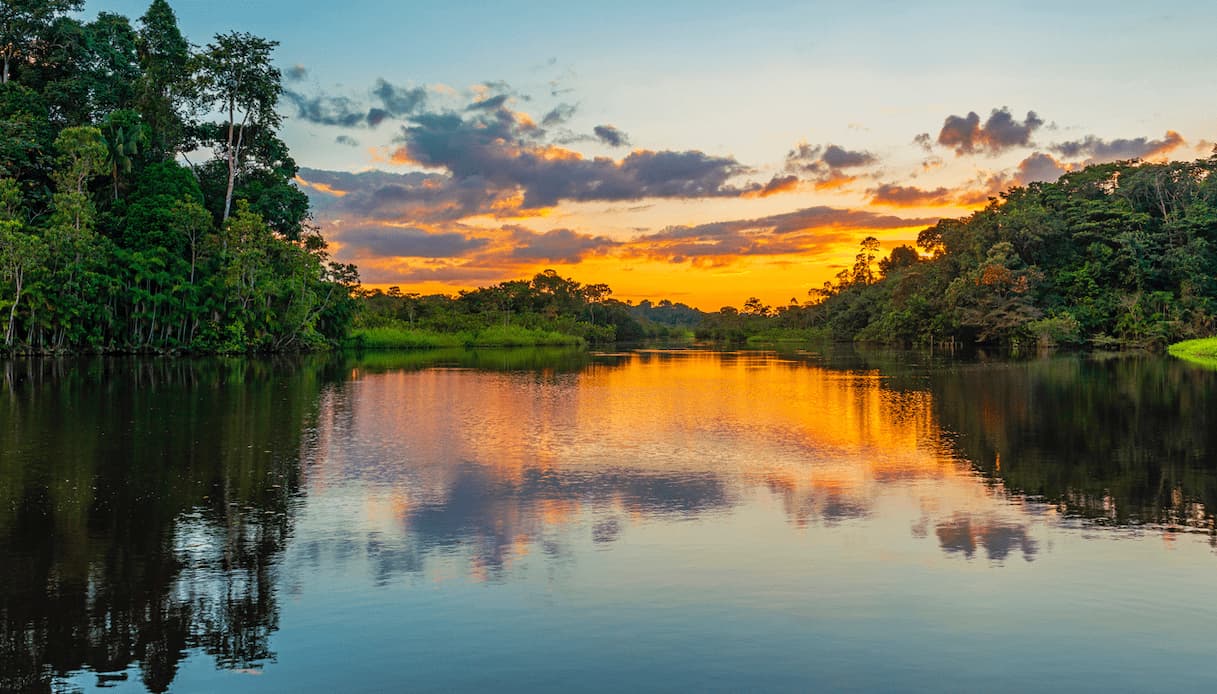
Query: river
{"points": [[558, 520]]}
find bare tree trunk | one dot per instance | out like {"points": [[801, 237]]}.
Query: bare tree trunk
{"points": [[19, 284], [232, 162], [189, 163], [1161, 198], [234, 154], [152, 329], [12, 318], [232, 177]]}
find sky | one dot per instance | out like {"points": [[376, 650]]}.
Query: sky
{"points": [[703, 152]]}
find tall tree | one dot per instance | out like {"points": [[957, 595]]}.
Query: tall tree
{"points": [[164, 86], [237, 78], [864, 262], [114, 63]]}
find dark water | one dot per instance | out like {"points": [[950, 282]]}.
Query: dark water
{"points": [[652, 520]]}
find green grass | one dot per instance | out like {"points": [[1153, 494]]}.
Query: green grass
{"points": [[788, 335], [400, 338], [1202, 351], [561, 359], [494, 336], [515, 336]]}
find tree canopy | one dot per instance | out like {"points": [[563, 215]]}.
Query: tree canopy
{"points": [[1120, 254], [110, 239]]}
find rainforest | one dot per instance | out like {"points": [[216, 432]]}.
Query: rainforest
{"points": [[112, 237], [658, 347], [148, 204], [1113, 256]]}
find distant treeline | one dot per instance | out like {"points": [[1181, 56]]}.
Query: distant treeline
{"points": [[107, 242], [517, 312], [1114, 255], [1121, 254]]}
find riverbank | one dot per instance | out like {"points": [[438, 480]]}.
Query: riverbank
{"points": [[788, 335], [1202, 351], [493, 336]]}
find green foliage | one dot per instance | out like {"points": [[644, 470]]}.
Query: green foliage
{"points": [[170, 179], [124, 137], [1114, 255], [776, 334], [1059, 330], [19, 254], [22, 23], [547, 310], [1201, 351], [25, 144], [761, 324], [537, 359], [107, 243], [165, 86], [237, 78], [11, 206], [397, 337], [401, 337], [84, 70], [666, 319], [515, 336], [82, 155]]}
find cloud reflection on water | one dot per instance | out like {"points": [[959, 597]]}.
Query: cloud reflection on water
{"points": [[491, 465], [186, 503]]}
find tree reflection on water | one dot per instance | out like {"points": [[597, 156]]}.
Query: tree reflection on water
{"points": [[1128, 440], [143, 507], [148, 507]]}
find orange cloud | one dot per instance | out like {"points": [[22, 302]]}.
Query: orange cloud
{"points": [[779, 184], [834, 180], [320, 187], [401, 156], [1170, 143], [555, 153]]}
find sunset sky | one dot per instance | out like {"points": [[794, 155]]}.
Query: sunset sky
{"points": [[702, 151]]}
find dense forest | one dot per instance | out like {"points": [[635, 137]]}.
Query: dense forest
{"points": [[111, 238], [1114, 255], [1111, 256], [147, 204], [546, 309]]}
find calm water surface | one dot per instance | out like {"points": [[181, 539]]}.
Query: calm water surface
{"points": [[649, 520]]}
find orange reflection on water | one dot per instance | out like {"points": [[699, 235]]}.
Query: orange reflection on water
{"points": [[497, 460]]}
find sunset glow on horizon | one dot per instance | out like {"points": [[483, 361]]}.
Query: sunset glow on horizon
{"points": [[701, 152]]}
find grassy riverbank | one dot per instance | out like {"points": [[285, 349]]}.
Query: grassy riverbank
{"points": [[1202, 351], [493, 336], [783, 335]]}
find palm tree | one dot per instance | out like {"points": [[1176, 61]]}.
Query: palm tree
{"points": [[124, 135]]}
